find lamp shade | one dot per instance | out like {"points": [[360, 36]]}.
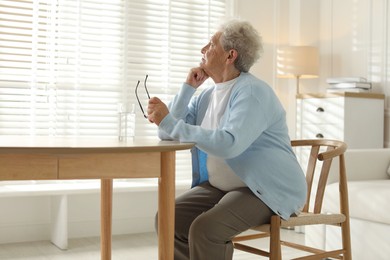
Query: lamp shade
{"points": [[297, 62]]}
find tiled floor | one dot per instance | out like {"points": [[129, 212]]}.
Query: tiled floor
{"points": [[124, 247]]}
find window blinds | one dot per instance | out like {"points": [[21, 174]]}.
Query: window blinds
{"points": [[66, 65]]}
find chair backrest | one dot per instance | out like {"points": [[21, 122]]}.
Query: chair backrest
{"points": [[316, 177]]}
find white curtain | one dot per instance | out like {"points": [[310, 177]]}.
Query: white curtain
{"points": [[66, 65]]}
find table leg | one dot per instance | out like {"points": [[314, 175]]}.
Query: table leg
{"points": [[166, 206], [106, 218]]}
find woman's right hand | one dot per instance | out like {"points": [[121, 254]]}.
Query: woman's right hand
{"points": [[196, 77]]}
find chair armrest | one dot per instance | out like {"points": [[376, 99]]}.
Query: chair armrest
{"points": [[363, 164]]}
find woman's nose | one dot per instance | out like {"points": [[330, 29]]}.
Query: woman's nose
{"points": [[204, 49]]}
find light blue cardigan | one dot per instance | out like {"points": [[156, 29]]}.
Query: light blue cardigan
{"points": [[252, 138]]}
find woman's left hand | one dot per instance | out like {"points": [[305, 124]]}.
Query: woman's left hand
{"points": [[157, 110]]}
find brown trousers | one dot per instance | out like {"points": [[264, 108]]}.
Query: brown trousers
{"points": [[206, 219]]}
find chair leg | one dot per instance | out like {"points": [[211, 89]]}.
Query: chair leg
{"points": [[345, 233], [275, 246]]}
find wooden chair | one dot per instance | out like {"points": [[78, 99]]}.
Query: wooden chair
{"points": [[311, 213]]}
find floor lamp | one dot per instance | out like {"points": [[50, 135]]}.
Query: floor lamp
{"points": [[297, 62]]}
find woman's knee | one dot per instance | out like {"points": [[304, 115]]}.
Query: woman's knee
{"points": [[204, 227]]}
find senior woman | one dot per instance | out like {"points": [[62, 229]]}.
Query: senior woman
{"points": [[244, 169]]}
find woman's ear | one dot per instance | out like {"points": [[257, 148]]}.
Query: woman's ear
{"points": [[232, 56]]}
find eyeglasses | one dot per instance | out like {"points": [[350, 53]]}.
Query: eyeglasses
{"points": [[147, 93]]}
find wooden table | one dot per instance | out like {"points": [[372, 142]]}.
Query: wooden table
{"points": [[57, 158]]}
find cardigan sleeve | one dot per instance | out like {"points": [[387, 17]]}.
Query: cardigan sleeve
{"points": [[182, 107], [245, 119]]}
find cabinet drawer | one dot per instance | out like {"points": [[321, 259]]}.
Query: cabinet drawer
{"points": [[319, 110], [328, 131]]}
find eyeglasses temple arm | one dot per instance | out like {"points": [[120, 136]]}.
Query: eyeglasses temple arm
{"points": [[147, 92], [139, 102]]}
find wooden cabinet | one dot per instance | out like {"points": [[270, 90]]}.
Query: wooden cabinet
{"points": [[356, 118]]}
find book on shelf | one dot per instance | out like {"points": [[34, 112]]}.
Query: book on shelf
{"points": [[350, 85], [341, 90], [345, 80]]}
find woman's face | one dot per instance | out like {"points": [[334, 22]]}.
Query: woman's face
{"points": [[214, 56]]}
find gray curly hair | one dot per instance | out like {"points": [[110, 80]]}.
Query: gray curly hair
{"points": [[242, 37]]}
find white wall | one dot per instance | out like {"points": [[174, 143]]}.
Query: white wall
{"points": [[29, 217]]}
